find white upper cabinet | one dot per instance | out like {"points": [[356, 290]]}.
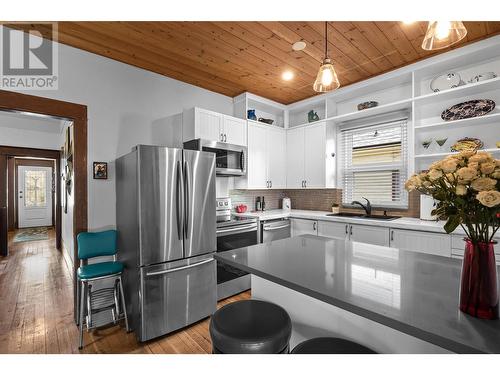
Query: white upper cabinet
{"points": [[315, 155], [266, 158], [308, 162], [276, 157], [295, 158], [234, 130], [213, 126], [257, 157]]}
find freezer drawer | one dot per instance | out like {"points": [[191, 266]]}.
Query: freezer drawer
{"points": [[176, 295]]}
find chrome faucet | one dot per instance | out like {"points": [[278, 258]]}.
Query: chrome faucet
{"points": [[367, 207]]}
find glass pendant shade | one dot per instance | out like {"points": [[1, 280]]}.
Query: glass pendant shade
{"points": [[442, 34], [327, 79]]}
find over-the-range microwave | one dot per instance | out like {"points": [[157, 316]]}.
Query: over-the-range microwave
{"points": [[230, 160]]}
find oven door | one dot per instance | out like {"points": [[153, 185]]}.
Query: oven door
{"points": [[234, 238]]}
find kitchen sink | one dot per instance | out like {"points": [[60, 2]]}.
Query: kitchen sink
{"points": [[361, 216]]}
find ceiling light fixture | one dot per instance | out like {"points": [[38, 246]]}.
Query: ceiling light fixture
{"points": [[287, 75], [299, 46], [442, 34], [327, 79]]}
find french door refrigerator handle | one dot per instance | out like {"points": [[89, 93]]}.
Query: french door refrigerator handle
{"points": [[170, 270], [187, 202], [179, 200]]}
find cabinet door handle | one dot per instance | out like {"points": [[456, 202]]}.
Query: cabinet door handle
{"points": [[225, 137], [314, 226], [221, 137], [392, 235], [346, 229], [305, 183], [350, 231], [270, 184]]}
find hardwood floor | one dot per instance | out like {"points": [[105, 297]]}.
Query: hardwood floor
{"points": [[36, 310]]}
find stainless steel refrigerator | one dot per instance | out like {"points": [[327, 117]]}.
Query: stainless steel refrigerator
{"points": [[166, 222]]}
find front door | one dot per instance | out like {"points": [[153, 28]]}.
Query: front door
{"points": [[34, 186]]}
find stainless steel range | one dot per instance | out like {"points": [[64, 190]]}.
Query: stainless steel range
{"points": [[233, 232]]}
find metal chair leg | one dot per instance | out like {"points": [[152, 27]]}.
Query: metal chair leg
{"points": [[82, 312], [78, 302], [124, 307]]}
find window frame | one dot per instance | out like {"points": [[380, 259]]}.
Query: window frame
{"points": [[403, 166]]}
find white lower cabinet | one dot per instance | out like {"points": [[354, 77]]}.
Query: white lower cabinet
{"points": [[368, 234], [304, 226], [421, 242], [333, 230], [458, 247], [354, 232]]}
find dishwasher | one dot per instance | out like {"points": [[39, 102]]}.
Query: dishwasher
{"points": [[272, 230]]}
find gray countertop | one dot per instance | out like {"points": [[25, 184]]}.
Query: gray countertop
{"points": [[411, 292]]}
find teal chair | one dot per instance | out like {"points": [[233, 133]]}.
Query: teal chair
{"points": [[94, 245]]}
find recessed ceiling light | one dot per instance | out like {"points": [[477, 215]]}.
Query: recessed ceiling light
{"points": [[408, 22], [299, 46], [287, 75]]}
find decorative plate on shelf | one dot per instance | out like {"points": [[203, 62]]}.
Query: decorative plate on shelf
{"points": [[471, 108], [446, 81], [472, 144]]}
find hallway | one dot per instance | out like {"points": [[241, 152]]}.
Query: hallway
{"points": [[36, 310]]}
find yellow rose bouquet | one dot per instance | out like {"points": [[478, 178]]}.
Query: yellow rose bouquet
{"points": [[466, 186]]}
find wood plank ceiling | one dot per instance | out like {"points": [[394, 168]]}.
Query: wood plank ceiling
{"points": [[233, 57]]}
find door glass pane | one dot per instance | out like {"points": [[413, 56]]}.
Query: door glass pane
{"points": [[35, 188]]}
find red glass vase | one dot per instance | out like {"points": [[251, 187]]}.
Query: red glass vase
{"points": [[478, 285]]}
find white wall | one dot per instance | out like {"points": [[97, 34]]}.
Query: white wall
{"points": [[25, 131], [126, 106]]}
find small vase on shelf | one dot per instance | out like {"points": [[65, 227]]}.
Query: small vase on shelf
{"points": [[478, 284]]}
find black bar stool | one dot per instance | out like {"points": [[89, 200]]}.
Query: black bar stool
{"points": [[330, 345], [250, 327]]}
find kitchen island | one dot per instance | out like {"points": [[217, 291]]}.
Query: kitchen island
{"points": [[390, 300]]}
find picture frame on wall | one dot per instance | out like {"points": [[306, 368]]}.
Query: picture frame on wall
{"points": [[100, 170]]}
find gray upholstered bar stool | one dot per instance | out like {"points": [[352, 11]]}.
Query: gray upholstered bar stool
{"points": [[250, 327], [330, 345]]}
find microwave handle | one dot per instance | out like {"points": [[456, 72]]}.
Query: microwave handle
{"points": [[242, 160]]}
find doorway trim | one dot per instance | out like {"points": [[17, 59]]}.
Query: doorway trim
{"points": [[8, 151], [77, 113]]}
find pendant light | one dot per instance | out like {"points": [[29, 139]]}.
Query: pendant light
{"points": [[327, 79], [442, 34]]}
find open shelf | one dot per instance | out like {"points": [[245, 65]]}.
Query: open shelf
{"points": [[381, 109], [458, 92], [443, 154], [464, 122], [263, 123]]}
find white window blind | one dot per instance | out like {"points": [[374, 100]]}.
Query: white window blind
{"points": [[375, 159]]}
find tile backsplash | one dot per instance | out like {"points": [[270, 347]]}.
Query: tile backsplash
{"points": [[313, 199]]}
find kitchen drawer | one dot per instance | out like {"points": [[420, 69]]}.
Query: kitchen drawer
{"points": [[176, 294]]}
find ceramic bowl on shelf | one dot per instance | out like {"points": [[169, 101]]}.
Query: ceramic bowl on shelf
{"points": [[467, 144], [483, 77], [366, 105], [446, 81], [471, 108]]}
